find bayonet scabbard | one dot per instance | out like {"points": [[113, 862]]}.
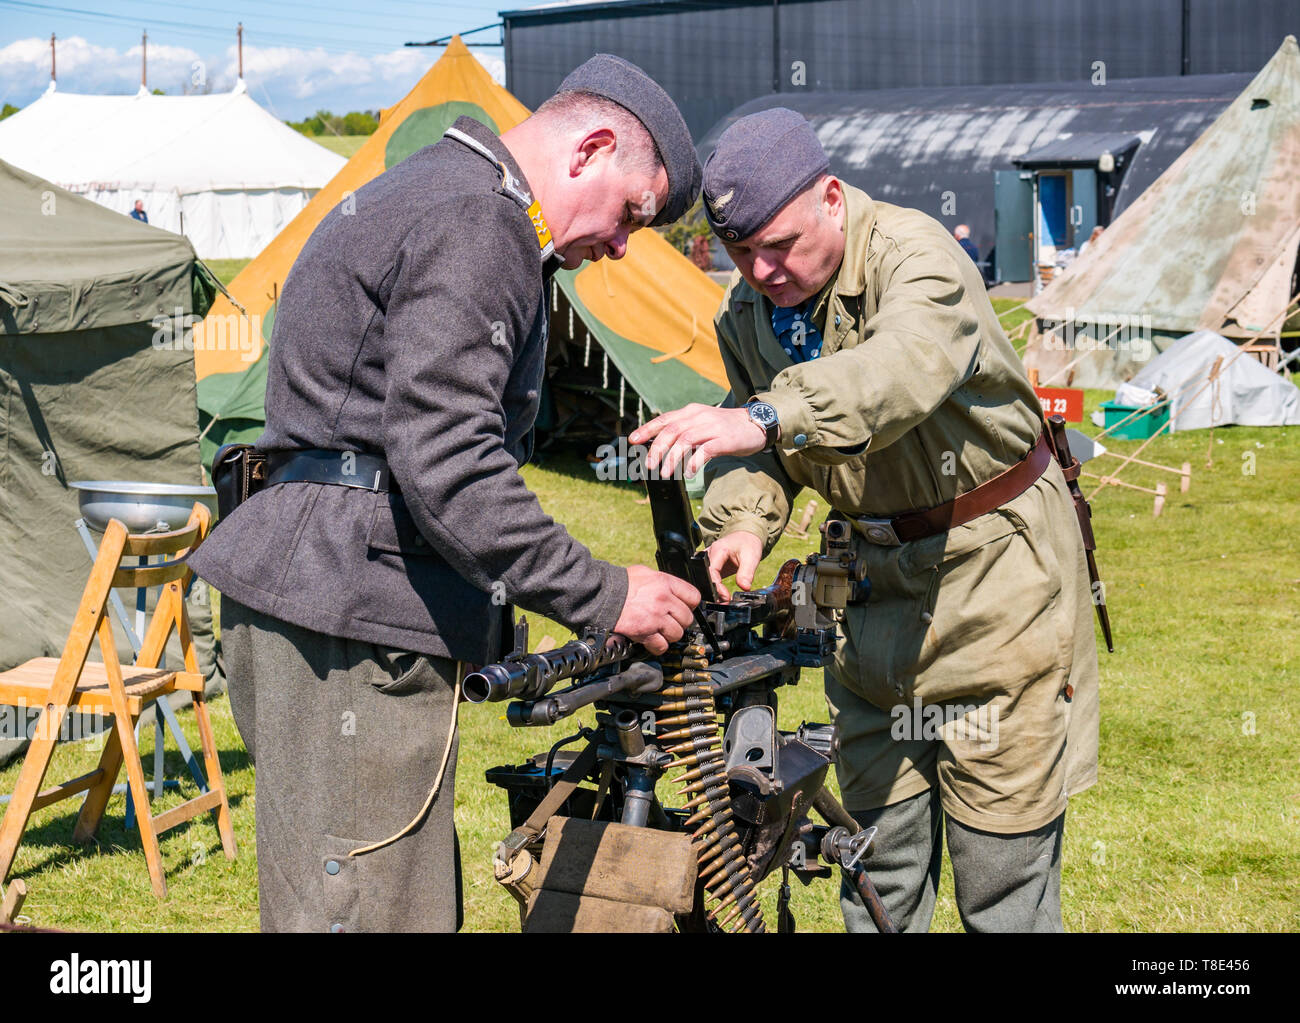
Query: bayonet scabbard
{"points": [[1070, 468]]}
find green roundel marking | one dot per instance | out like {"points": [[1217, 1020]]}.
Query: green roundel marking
{"points": [[425, 126]]}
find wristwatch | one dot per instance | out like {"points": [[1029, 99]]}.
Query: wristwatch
{"points": [[765, 416]]}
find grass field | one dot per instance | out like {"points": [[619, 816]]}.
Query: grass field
{"points": [[345, 145], [1195, 824]]}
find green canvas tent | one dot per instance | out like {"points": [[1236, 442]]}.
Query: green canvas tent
{"points": [[96, 383]]}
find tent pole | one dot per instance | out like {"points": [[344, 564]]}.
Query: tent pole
{"points": [[1215, 370]]}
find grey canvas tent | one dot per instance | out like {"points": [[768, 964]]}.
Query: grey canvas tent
{"points": [[95, 384], [1245, 393], [1210, 245]]}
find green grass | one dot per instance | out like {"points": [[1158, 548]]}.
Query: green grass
{"points": [[227, 269], [1195, 822], [105, 887], [345, 145]]}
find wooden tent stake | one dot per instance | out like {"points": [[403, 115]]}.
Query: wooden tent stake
{"points": [[1160, 490], [1185, 484], [1213, 375], [805, 521]]}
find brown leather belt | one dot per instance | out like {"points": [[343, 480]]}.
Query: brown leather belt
{"points": [[993, 494]]}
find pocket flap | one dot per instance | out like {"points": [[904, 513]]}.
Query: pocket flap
{"points": [[393, 529]]}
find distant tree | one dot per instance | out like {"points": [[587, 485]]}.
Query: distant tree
{"points": [[324, 123], [356, 123], [7, 109], [159, 92], [683, 233]]}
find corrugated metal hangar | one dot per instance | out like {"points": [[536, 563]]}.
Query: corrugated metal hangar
{"points": [[714, 55], [991, 115], [942, 150]]}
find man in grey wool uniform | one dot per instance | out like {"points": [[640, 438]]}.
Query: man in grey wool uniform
{"points": [[406, 362]]}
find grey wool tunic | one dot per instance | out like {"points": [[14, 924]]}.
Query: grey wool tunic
{"points": [[413, 327]]}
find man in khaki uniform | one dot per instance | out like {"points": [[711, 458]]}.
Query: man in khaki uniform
{"points": [[866, 362]]}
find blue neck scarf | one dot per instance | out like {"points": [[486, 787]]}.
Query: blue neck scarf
{"points": [[794, 328]]}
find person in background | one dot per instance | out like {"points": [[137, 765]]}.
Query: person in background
{"points": [[962, 233], [1096, 233], [138, 213]]}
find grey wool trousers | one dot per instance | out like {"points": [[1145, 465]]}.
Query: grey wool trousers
{"points": [[1002, 883], [346, 738]]}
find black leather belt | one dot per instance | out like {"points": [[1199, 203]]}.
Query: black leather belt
{"points": [[337, 468]]}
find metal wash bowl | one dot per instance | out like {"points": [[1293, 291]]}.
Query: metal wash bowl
{"points": [[141, 507]]}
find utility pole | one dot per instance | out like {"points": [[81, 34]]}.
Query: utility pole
{"points": [[52, 74], [144, 59], [239, 32]]}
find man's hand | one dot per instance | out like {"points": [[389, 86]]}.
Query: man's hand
{"points": [[657, 609], [700, 432], [737, 552]]}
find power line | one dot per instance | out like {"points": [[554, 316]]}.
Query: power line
{"points": [[210, 31], [260, 10]]}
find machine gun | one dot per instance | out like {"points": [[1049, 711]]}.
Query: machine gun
{"points": [[747, 787]]}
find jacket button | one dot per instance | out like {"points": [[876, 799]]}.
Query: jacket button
{"points": [[336, 928], [800, 439], [332, 867], [837, 319]]}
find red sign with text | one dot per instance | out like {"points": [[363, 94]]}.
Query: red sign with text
{"points": [[1061, 401]]}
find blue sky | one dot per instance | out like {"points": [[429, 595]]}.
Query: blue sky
{"points": [[299, 56]]}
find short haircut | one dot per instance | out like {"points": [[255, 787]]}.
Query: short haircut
{"points": [[583, 111]]}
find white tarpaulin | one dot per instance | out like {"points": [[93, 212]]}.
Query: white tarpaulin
{"points": [[1246, 393], [218, 168]]}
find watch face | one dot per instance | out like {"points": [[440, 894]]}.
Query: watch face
{"points": [[762, 413]]}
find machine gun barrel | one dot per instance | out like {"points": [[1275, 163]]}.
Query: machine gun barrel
{"points": [[529, 676], [639, 677]]}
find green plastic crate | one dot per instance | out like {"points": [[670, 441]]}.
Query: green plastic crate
{"points": [[1135, 429]]}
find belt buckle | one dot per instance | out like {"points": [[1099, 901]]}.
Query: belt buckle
{"points": [[880, 532]]}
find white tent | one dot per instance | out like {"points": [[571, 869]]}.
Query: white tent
{"points": [[1246, 394], [218, 168]]}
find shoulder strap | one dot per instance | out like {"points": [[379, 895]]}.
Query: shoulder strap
{"points": [[511, 187], [560, 791]]}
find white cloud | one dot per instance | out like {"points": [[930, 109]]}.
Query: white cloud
{"points": [[293, 82]]}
